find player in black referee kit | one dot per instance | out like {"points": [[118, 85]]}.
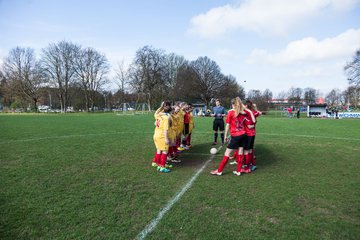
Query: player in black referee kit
{"points": [[218, 114]]}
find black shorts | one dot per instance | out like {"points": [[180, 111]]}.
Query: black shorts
{"points": [[186, 129], [237, 142], [218, 125], [249, 142]]}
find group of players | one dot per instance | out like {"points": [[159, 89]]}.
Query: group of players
{"points": [[173, 123], [173, 128], [240, 123]]}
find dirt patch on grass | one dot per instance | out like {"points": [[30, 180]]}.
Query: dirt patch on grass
{"points": [[273, 220]]}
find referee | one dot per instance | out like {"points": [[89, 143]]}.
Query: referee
{"points": [[218, 114]]}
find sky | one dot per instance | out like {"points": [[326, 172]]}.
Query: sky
{"points": [[264, 44]]}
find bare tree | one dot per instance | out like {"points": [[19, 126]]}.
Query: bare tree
{"points": [[333, 97], [91, 69], [5, 100], [122, 80], [253, 94], [209, 77], [186, 88], [281, 95], [310, 95], [58, 64], [268, 95], [295, 95], [352, 94], [172, 65], [352, 69], [23, 72], [147, 73], [260, 99], [230, 89]]}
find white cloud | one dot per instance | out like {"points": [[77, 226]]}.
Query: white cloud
{"points": [[225, 53], [263, 16], [310, 49]]}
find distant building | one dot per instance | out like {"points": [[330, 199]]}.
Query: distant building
{"points": [[320, 100], [317, 110], [199, 109], [278, 100]]}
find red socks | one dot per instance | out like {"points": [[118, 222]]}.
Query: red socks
{"points": [[236, 152], [223, 163], [171, 151], [163, 160], [240, 161], [247, 159], [157, 158]]}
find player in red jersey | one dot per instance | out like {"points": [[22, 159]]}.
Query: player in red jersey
{"points": [[250, 161], [186, 130], [235, 123]]}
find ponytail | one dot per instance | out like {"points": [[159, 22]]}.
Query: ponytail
{"points": [[238, 106], [250, 105]]}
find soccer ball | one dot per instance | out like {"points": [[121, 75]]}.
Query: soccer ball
{"points": [[213, 151]]}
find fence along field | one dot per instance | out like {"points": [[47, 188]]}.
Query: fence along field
{"points": [[89, 176]]}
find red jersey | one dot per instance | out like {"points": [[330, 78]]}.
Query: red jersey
{"points": [[187, 117], [237, 123], [250, 123], [256, 113]]}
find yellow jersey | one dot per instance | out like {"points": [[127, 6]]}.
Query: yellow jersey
{"points": [[181, 114], [161, 123]]}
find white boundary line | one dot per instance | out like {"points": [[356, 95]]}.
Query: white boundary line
{"points": [[64, 136], [310, 136], [152, 225], [113, 133]]}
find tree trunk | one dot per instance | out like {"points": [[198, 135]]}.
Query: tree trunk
{"points": [[86, 101], [149, 105], [35, 104]]}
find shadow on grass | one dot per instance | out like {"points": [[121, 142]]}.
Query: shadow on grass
{"points": [[264, 156], [196, 155]]}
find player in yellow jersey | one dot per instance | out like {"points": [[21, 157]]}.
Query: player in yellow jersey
{"points": [[181, 125], [191, 125], [163, 122], [173, 133]]}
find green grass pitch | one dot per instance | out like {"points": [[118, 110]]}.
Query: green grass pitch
{"points": [[88, 176]]}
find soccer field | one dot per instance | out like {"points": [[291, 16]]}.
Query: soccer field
{"points": [[89, 176]]}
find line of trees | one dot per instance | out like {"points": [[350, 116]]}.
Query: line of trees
{"points": [[348, 97], [156, 75], [298, 96], [67, 74], [62, 68], [335, 98]]}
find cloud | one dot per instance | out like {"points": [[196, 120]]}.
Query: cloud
{"points": [[225, 53], [274, 17], [310, 49]]}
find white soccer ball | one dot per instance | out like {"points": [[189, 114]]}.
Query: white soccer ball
{"points": [[213, 151]]}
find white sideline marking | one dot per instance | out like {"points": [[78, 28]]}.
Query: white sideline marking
{"points": [[152, 225], [112, 133], [309, 136], [64, 136], [295, 135]]}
